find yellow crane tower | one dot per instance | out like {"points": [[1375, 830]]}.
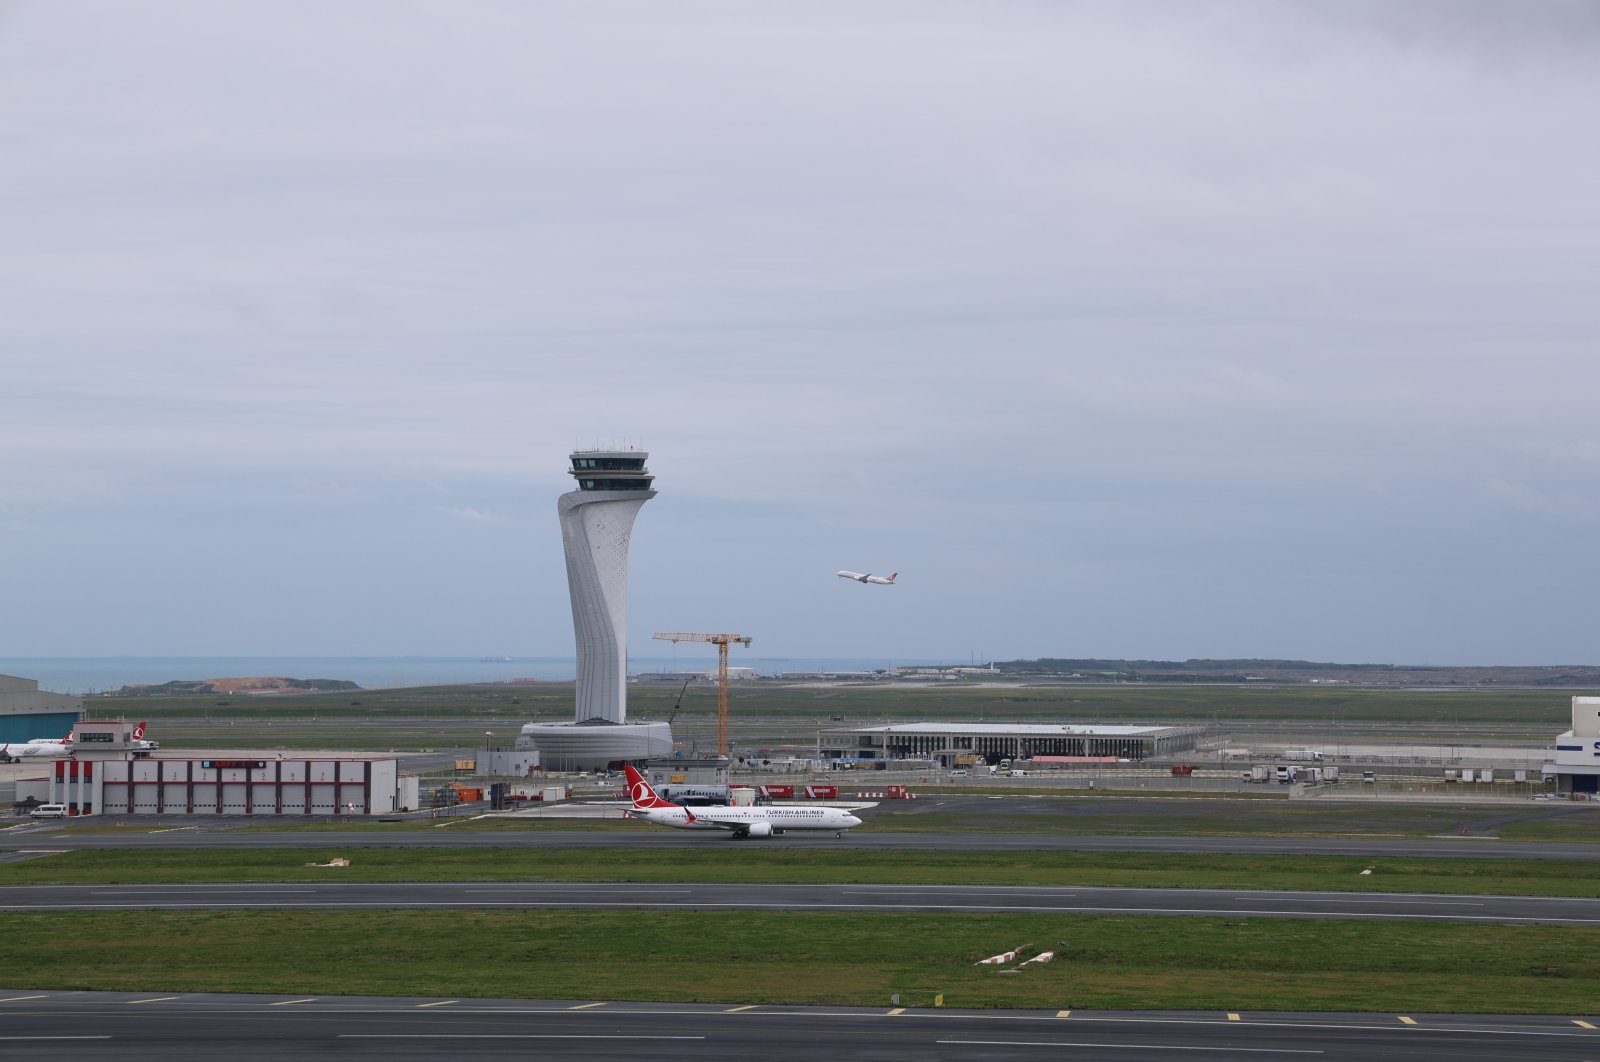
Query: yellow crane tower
{"points": [[721, 641]]}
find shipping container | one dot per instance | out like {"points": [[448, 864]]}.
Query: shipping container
{"points": [[822, 792]]}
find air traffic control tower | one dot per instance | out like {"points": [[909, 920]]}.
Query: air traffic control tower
{"points": [[596, 525]]}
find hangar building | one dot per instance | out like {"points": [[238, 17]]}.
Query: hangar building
{"points": [[1577, 764], [27, 712], [994, 741]]}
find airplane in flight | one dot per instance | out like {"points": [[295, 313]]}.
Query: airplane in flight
{"points": [[740, 822], [868, 577]]}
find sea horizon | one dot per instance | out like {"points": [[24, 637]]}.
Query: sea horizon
{"points": [[81, 675]]}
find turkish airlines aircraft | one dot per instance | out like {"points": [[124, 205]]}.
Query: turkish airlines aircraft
{"points": [[741, 822], [37, 749], [867, 577]]}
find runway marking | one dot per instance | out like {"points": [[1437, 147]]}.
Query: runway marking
{"points": [[8, 1038], [1321, 898], [897, 1010], [153, 999], [1584, 1024], [586, 1006], [287, 1002], [333, 905], [1232, 1016], [439, 1003], [15, 999], [1063, 1013], [735, 1010], [1408, 1021], [205, 891], [504, 1036], [1132, 1047]]}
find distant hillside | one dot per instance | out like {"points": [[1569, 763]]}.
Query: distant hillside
{"points": [[263, 686], [1307, 671]]}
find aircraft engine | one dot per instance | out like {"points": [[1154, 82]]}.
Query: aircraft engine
{"points": [[761, 829]]}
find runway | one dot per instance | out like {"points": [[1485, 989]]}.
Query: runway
{"points": [[50, 838], [150, 1026], [961, 899]]}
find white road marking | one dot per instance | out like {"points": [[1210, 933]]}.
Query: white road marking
{"points": [[1131, 1047], [8, 1038], [736, 1010], [1585, 1024], [1341, 899], [153, 999], [439, 1003], [14, 999], [197, 888], [756, 905], [504, 1036], [288, 1002], [1408, 1021], [586, 1006]]}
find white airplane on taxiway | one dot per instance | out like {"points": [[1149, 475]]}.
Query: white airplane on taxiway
{"points": [[741, 822]]}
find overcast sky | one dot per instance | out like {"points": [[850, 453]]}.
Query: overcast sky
{"points": [[1121, 329]]}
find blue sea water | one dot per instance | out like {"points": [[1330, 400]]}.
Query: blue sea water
{"points": [[93, 674]]}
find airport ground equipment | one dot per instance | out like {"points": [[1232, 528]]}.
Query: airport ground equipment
{"points": [[721, 641]]}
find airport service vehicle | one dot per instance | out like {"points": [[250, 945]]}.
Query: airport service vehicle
{"points": [[741, 822], [1309, 755], [49, 811], [868, 577]]}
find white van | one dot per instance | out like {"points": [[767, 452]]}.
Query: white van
{"points": [[49, 811]]}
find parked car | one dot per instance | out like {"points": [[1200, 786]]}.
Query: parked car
{"points": [[49, 811]]}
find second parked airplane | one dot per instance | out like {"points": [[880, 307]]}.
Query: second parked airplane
{"points": [[741, 822]]}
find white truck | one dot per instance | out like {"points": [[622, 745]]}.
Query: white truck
{"points": [[1305, 755]]}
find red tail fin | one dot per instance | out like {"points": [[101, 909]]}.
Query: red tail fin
{"points": [[893, 577], [643, 796], [138, 731]]}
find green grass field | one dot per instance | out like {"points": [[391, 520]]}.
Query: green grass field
{"points": [[837, 959], [1487, 876], [816, 706]]}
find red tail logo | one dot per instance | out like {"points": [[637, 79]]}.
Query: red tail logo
{"points": [[644, 798], [894, 576], [138, 731]]}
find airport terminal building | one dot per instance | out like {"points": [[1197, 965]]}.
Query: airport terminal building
{"points": [[992, 742]]}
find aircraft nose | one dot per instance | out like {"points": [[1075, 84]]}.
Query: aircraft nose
{"points": [[850, 821]]}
